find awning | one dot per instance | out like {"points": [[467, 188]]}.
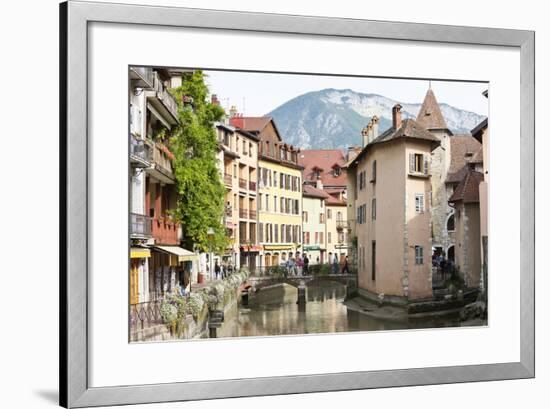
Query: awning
{"points": [[140, 252], [279, 247], [181, 253]]}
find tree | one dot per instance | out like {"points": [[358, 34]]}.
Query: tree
{"points": [[200, 202]]}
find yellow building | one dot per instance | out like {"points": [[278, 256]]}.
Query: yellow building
{"points": [[279, 193]]}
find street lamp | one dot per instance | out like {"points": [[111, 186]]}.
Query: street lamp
{"points": [[210, 234]]}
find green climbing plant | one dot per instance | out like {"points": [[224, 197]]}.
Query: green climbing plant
{"points": [[200, 203]]}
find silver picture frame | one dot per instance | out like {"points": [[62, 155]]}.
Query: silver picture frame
{"points": [[75, 390]]}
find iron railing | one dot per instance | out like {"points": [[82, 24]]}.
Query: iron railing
{"points": [[228, 179], [252, 214], [140, 150], [145, 315], [242, 183], [243, 213], [252, 186], [140, 225]]}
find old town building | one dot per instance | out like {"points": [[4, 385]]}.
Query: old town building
{"points": [[314, 224], [239, 156], [157, 262], [388, 193], [279, 193]]}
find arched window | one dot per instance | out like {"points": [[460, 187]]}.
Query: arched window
{"points": [[451, 222]]}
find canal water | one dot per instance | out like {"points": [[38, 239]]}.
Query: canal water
{"points": [[275, 312]]}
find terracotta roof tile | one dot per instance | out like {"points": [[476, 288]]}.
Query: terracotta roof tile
{"points": [[324, 160], [409, 129], [311, 191], [464, 148], [430, 116], [467, 190]]}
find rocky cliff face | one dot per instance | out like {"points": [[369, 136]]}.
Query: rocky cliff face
{"points": [[333, 118]]}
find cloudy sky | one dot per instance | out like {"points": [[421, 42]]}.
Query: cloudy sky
{"points": [[257, 94]]}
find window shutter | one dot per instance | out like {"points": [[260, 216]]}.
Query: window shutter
{"points": [[426, 164], [374, 171], [411, 162]]}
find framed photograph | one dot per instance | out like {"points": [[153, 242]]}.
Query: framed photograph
{"points": [[259, 204]]}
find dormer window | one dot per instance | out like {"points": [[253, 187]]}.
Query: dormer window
{"points": [[336, 171]]}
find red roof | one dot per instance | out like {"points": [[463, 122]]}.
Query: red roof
{"points": [[467, 190], [334, 201], [430, 116], [311, 191], [325, 160], [463, 151]]}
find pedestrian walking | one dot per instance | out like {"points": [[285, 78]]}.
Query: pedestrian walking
{"points": [[306, 264], [345, 267], [299, 265], [335, 264], [217, 270]]}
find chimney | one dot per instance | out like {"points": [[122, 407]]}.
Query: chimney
{"points": [[353, 151], [374, 122], [319, 184], [215, 100], [396, 116], [370, 131], [364, 134]]}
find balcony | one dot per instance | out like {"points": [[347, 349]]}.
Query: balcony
{"points": [[162, 101], [252, 214], [165, 231], [142, 76], [140, 153], [161, 167], [252, 186], [243, 213], [243, 183], [140, 226], [342, 225], [228, 179]]}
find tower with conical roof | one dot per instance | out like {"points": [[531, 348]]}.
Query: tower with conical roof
{"points": [[431, 118]]}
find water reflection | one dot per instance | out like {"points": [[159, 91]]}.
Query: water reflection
{"points": [[275, 312]]}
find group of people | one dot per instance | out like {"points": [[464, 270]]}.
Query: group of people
{"points": [[222, 270], [298, 266]]}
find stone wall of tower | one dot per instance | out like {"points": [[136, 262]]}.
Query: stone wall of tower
{"points": [[440, 194]]}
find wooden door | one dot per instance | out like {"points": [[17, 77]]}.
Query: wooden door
{"points": [[134, 277]]}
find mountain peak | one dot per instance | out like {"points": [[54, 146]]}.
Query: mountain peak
{"points": [[333, 118]]}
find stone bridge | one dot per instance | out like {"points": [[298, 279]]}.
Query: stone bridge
{"points": [[301, 282]]}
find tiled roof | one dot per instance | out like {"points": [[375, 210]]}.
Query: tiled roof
{"points": [[478, 156], [250, 123], [334, 201], [409, 129], [477, 131], [324, 159], [311, 191], [430, 116], [467, 190], [463, 150]]}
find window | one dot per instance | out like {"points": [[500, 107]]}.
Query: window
{"points": [[329, 238], [304, 217], [418, 163], [419, 203], [260, 204], [451, 222], [274, 203], [418, 255], [321, 218], [282, 205], [274, 178], [337, 171], [261, 231], [329, 213], [321, 238], [283, 233], [276, 233], [250, 149], [267, 203], [373, 178], [373, 260], [373, 206], [339, 216]]}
